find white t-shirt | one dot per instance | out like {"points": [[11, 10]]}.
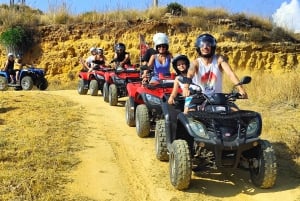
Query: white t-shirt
{"points": [[209, 77]]}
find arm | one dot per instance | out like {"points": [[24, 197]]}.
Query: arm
{"points": [[5, 66], [190, 74], [150, 63], [232, 76], [174, 91]]}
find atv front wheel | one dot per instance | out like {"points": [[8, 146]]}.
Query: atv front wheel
{"points": [[180, 165], [161, 141], [26, 83], [263, 168], [129, 113], [3, 84], [112, 95], [93, 88], [105, 91], [81, 88], [142, 121]]}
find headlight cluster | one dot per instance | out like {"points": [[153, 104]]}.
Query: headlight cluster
{"points": [[153, 100], [253, 127], [198, 128]]}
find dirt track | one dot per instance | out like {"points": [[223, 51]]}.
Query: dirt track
{"points": [[118, 165]]}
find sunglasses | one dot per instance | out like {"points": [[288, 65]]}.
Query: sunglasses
{"points": [[161, 46]]}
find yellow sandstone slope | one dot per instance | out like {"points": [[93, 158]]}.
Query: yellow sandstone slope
{"points": [[61, 46]]}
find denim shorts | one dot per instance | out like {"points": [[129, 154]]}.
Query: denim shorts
{"points": [[187, 101]]}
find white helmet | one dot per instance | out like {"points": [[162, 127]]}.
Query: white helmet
{"points": [[93, 49], [10, 55], [159, 39]]}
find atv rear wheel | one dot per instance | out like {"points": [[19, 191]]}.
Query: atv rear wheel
{"points": [[42, 84], [26, 83], [105, 92], [180, 165], [129, 113], [112, 95], [81, 88], [94, 88], [161, 141], [263, 168], [142, 121], [3, 84]]}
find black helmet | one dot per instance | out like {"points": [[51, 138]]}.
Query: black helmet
{"points": [[206, 38], [180, 57], [120, 47]]}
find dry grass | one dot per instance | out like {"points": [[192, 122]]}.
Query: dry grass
{"points": [[277, 98], [40, 135]]}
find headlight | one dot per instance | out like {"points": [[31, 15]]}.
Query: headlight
{"points": [[153, 100], [253, 127], [198, 128]]}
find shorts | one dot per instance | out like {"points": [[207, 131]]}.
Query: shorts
{"points": [[187, 101]]}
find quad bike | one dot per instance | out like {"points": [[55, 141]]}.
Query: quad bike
{"points": [[93, 80], [116, 82], [28, 77], [214, 134], [143, 107]]}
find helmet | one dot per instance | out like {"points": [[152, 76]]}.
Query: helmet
{"points": [[10, 55], [180, 57], [93, 49], [206, 39], [160, 39], [100, 51], [120, 47]]}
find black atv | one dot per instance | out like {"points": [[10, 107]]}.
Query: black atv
{"points": [[215, 133]]}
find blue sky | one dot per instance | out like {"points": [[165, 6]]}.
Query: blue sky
{"points": [[259, 7], [285, 12]]}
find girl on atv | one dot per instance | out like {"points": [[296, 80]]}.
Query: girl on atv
{"points": [[160, 61]]}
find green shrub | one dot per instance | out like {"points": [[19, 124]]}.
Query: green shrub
{"points": [[175, 9], [16, 39]]}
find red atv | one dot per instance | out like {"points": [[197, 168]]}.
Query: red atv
{"points": [[143, 107], [116, 82], [93, 81]]}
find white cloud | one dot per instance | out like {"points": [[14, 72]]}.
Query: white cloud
{"points": [[288, 16]]}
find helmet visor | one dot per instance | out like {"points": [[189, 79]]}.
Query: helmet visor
{"points": [[206, 42]]}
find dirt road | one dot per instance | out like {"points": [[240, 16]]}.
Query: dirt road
{"points": [[118, 165]]}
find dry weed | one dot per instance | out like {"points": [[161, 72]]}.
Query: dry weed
{"points": [[40, 135]]}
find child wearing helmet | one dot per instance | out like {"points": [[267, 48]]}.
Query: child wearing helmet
{"points": [[160, 62], [9, 67], [121, 57], [180, 64], [207, 70]]}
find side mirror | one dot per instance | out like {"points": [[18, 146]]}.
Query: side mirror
{"points": [[245, 80]]}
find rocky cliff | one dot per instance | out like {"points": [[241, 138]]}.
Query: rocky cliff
{"points": [[60, 47]]}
